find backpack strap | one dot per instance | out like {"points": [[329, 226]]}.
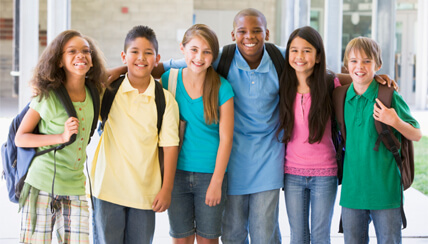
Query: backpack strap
{"points": [[95, 95], [339, 95], [64, 98], [108, 98], [391, 142], [226, 59], [160, 103], [277, 58], [172, 81]]}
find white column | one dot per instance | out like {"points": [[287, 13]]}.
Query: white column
{"points": [[287, 20], [333, 25], [28, 47], [383, 31], [422, 56], [302, 16], [58, 17]]}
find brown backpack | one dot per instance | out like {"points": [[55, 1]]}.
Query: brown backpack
{"points": [[405, 161]]}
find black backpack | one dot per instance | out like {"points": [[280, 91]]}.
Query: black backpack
{"points": [[229, 52], [405, 161], [108, 99], [17, 160]]}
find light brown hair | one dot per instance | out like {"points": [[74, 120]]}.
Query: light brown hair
{"points": [[212, 79], [366, 45]]}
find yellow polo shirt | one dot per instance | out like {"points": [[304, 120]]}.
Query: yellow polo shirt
{"points": [[125, 169]]}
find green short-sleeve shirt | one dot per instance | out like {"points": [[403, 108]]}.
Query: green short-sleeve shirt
{"points": [[69, 178], [371, 179]]}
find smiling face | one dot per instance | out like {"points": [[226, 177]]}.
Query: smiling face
{"points": [[76, 58], [198, 54], [361, 68], [250, 34], [302, 56], [141, 58]]}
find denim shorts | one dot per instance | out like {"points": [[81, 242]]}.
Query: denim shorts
{"points": [[188, 213]]}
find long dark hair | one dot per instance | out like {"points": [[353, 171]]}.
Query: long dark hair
{"points": [[321, 106]]}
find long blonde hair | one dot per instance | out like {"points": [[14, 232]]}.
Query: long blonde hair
{"points": [[212, 79]]}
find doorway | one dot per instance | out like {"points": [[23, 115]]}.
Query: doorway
{"points": [[405, 54]]}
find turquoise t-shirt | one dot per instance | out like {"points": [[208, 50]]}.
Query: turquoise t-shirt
{"points": [[371, 179], [201, 141], [69, 178]]}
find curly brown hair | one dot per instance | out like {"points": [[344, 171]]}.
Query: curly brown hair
{"points": [[48, 74]]}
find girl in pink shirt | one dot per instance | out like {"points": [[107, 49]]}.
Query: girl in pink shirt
{"points": [[305, 115]]}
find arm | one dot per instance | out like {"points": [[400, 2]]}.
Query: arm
{"points": [[389, 116], [25, 137], [163, 198], [213, 196]]}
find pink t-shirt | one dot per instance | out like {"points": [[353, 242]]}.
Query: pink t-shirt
{"points": [[302, 158]]}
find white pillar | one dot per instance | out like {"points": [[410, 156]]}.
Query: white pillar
{"points": [[28, 47], [58, 17], [422, 56], [333, 26], [295, 14], [383, 31]]}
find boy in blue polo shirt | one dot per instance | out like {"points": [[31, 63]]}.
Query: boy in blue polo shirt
{"points": [[371, 187]]}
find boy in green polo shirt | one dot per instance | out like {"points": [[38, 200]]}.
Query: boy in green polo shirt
{"points": [[371, 179]]}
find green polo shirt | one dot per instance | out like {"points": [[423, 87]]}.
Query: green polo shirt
{"points": [[371, 179]]}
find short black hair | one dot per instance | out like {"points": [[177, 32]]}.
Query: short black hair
{"points": [[141, 31]]}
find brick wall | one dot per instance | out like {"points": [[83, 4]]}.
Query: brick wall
{"points": [[267, 7], [107, 24]]}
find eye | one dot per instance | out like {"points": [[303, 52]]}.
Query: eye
{"points": [[149, 53], [71, 51], [86, 51], [134, 51], [193, 49], [207, 52]]}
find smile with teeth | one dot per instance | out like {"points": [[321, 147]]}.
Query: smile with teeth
{"points": [[250, 45], [198, 64], [359, 73], [79, 64], [141, 65]]}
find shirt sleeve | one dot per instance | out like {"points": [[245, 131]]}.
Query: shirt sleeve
{"points": [[403, 110], [225, 92], [174, 63], [168, 135], [46, 107], [164, 79]]}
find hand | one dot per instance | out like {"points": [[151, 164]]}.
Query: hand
{"points": [[162, 201], [213, 196], [71, 126], [385, 80], [383, 114]]}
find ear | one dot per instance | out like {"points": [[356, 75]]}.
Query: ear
{"points": [[182, 48], [158, 57], [378, 68], [317, 59], [267, 35], [233, 35], [123, 55], [60, 64]]}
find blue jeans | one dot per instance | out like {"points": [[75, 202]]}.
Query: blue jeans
{"points": [[314, 195], [254, 214], [117, 224], [188, 212], [387, 223]]}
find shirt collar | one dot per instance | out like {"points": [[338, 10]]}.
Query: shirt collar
{"points": [[127, 87], [370, 94], [242, 64]]}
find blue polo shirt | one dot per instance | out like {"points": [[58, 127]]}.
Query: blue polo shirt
{"points": [[256, 162]]}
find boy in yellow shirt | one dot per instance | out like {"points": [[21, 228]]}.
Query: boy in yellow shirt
{"points": [[127, 181]]}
